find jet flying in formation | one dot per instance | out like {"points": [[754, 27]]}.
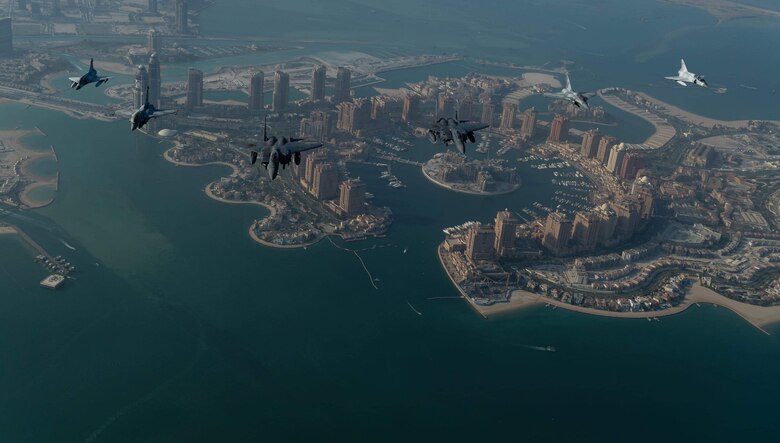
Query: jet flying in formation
{"points": [[145, 113], [578, 99], [684, 77], [452, 130], [90, 77], [280, 152]]}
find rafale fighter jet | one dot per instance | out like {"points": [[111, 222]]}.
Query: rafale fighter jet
{"points": [[90, 77], [280, 151], [145, 113], [578, 99], [452, 130], [684, 77]]}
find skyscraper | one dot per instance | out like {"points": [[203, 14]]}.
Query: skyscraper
{"points": [[616, 158], [139, 88], [445, 106], [6, 38], [325, 184], [353, 197], [194, 88], [605, 148], [343, 86], [628, 216], [506, 231], [488, 112], [318, 83], [281, 91], [632, 163], [181, 16], [508, 115], [590, 143], [153, 42], [559, 129], [152, 7], [480, 242], [155, 80], [256, 92], [557, 232], [586, 230], [411, 104], [529, 123]]}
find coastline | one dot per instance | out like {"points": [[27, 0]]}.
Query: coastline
{"points": [[25, 155], [757, 316]]}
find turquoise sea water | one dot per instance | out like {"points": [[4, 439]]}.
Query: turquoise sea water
{"points": [[180, 328]]}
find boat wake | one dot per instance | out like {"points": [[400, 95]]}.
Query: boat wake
{"points": [[539, 348], [413, 309], [68, 245]]}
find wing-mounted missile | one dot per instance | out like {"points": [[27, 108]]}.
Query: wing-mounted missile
{"points": [[471, 137], [297, 158], [681, 83], [433, 136]]}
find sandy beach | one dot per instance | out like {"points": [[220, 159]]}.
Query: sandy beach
{"points": [[13, 141], [692, 118]]}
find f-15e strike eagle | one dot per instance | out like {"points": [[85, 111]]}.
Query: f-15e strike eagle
{"points": [[452, 130], [280, 152], [90, 77]]}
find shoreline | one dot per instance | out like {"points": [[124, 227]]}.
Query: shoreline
{"points": [[26, 155], [757, 316], [211, 195]]}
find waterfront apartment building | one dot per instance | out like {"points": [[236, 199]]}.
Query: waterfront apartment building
{"points": [[353, 115], [352, 199], [445, 106], [616, 158], [194, 88], [508, 116], [590, 143], [151, 7], [343, 90], [256, 92], [605, 148], [281, 91], [317, 93], [480, 242], [411, 107], [586, 230], [181, 17], [528, 128], [632, 163], [325, 184], [559, 129], [506, 232], [557, 232], [319, 126]]}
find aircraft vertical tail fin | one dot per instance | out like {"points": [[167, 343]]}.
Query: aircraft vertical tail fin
{"points": [[146, 97], [92, 64], [265, 128], [568, 82], [683, 68]]}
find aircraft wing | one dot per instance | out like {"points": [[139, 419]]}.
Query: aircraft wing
{"points": [[162, 113], [303, 146], [589, 94], [74, 79], [676, 78], [472, 126], [554, 95]]}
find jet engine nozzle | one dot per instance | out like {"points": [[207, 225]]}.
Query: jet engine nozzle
{"points": [[471, 137]]}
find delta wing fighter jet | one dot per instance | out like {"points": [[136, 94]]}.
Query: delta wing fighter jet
{"points": [[578, 99], [452, 130], [280, 152], [145, 113], [90, 77], [684, 77]]}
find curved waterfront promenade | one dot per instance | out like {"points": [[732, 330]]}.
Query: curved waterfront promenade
{"points": [[664, 132]]}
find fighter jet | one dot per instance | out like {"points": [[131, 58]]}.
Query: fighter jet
{"points": [[684, 77], [145, 113], [90, 77], [578, 99], [452, 130], [280, 151]]}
